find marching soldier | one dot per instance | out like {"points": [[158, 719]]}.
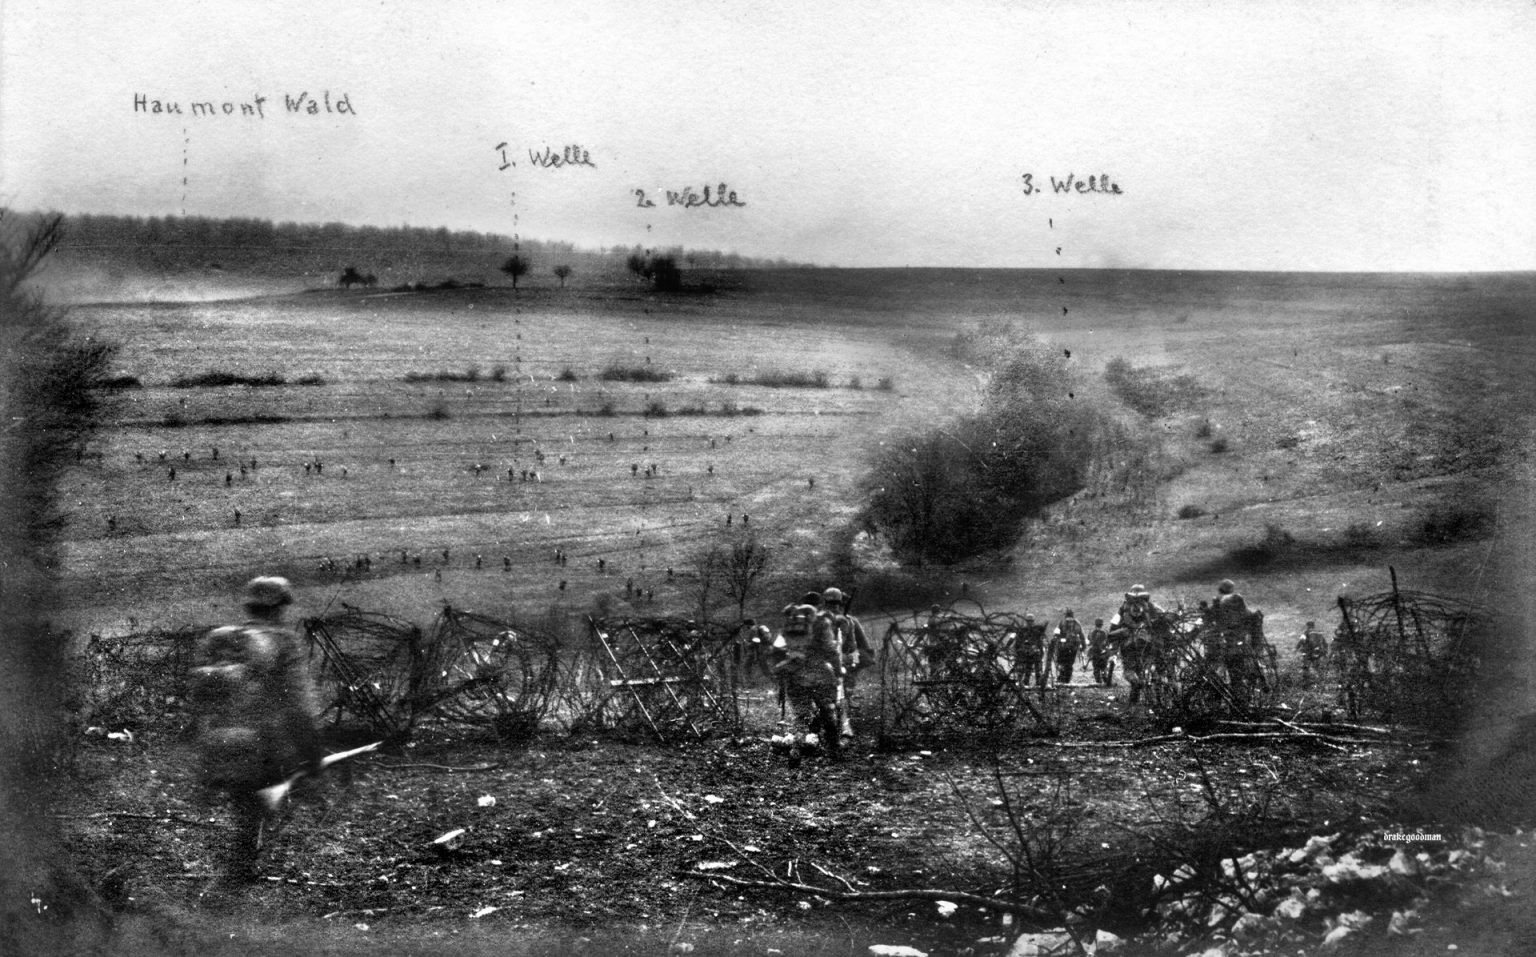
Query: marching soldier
{"points": [[1100, 654], [257, 714], [1068, 642], [1313, 649], [810, 666], [1029, 652]]}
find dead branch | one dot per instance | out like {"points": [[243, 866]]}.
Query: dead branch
{"points": [[440, 767], [927, 894]]}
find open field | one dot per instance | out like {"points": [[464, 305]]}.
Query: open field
{"points": [[1363, 421], [1343, 401]]}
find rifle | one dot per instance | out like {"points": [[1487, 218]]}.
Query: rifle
{"points": [[273, 796]]}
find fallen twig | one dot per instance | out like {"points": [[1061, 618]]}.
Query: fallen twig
{"points": [[440, 767]]}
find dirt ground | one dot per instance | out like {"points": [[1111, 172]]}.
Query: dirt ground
{"points": [[632, 847]]}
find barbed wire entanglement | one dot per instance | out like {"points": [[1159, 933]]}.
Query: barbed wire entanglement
{"points": [[670, 678], [373, 670], [1410, 657], [133, 681], [953, 676]]}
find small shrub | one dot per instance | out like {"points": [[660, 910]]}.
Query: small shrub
{"points": [[1191, 511], [310, 380], [567, 375], [499, 374], [1275, 544], [1220, 444], [656, 409], [886, 384], [607, 409], [439, 410], [695, 409], [122, 382], [472, 374], [1151, 391], [1288, 441], [1206, 430], [855, 383]]}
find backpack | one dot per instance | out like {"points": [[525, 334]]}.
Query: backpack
{"points": [[255, 725]]}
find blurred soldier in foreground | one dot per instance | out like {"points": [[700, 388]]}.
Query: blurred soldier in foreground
{"points": [[1313, 649], [857, 653], [256, 712], [758, 642], [810, 665], [1100, 654], [1069, 641]]}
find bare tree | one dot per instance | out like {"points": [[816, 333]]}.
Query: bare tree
{"points": [[743, 565], [564, 272]]}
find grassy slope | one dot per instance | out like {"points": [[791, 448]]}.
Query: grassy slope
{"points": [[1397, 393]]}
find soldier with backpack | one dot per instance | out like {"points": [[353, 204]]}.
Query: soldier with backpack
{"points": [[1100, 654], [1029, 652], [810, 666], [257, 714]]}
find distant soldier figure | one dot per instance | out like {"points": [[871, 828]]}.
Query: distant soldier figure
{"points": [[257, 718], [506, 564], [173, 473], [810, 665], [1100, 654], [1069, 643], [1313, 649], [237, 517], [1029, 652]]}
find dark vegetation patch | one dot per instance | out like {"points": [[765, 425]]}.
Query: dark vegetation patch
{"points": [[1152, 392], [623, 373], [1452, 522], [471, 374], [1191, 511], [779, 379], [122, 382], [175, 420], [567, 375], [220, 378]]}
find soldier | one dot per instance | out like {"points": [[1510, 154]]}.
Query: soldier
{"points": [[257, 714], [856, 650], [1313, 648], [1029, 652], [810, 665], [1068, 641], [1232, 624], [1099, 654], [1132, 630], [758, 642]]}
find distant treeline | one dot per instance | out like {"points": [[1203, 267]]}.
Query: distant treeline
{"points": [[216, 240]]}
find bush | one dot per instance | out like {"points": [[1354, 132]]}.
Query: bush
{"points": [[1220, 444], [1205, 430], [499, 374], [1191, 511], [567, 375], [854, 382], [618, 373], [607, 409], [1457, 522], [956, 492], [310, 380], [656, 409], [1288, 442], [122, 382], [472, 374], [439, 410], [886, 384]]}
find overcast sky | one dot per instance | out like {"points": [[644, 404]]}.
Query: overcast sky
{"points": [[1280, 135]]}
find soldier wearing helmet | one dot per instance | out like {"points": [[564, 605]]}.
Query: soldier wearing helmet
{"points": [[1068, 642], [1029, 652], [810, 667], [257, 712]]}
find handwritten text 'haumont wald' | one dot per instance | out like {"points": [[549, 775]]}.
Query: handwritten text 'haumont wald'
{"points": [[1100, 184], [303, 104]]}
